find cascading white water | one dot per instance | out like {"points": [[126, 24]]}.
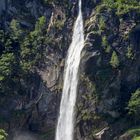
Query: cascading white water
{"points": [[65, 124]]}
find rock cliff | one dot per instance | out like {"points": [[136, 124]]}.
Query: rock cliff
{"points": [[40, 32]]}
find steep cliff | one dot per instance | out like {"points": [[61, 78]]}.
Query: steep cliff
{"points": [[34, 38], [33, 41], [109, 71]]}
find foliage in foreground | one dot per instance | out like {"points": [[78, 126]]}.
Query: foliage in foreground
{"points": [[3, 134], [134, 105]]}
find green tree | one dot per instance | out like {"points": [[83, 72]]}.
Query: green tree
{"points": [[134, 105], [33, 45], [7, 63], [129, 53], [40, 24], [16, 31], [114, 60], [3, 134]]}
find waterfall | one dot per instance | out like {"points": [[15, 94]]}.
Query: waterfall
{"points": [[65, 125]]}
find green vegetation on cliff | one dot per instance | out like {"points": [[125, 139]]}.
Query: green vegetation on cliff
{"points": [[114, 60], [113, 33], [21, 51], [109, 85], [121, 6], [134, 106], [3, 135]]}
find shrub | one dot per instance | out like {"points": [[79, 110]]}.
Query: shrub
{"points": [[136, 138], [114, 60], [102, 24], [134, 133], [134, 105], [129, 53], [3, 134]]}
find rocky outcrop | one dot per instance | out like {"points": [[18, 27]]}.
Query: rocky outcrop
{"points": [[109, 70], [109, 88], [37, 109]]}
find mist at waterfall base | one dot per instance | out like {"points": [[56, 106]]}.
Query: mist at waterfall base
{"points": [[22, 135], [65, 125]]}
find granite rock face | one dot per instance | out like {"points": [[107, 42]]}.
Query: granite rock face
{"points": [[103, 105], [109, 70]]}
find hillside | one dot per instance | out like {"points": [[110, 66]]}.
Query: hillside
{"points": [[34, 39]]}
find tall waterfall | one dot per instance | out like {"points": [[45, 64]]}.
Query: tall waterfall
{"points": [[65, 126]]}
